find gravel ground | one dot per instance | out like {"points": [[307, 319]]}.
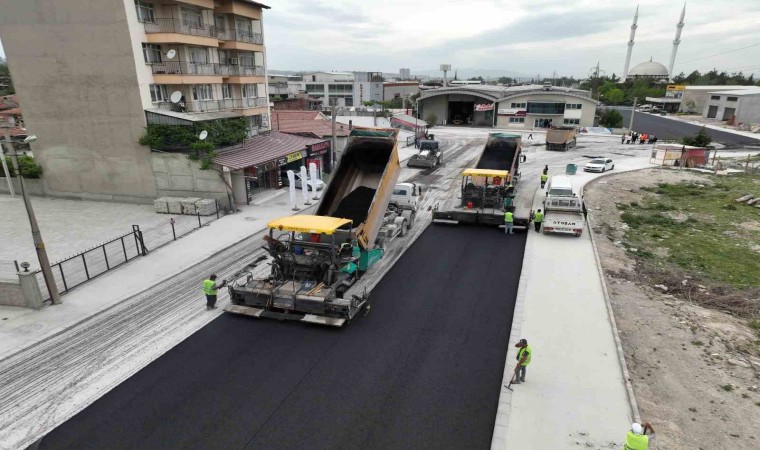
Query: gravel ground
{"points": [[689, 381]]}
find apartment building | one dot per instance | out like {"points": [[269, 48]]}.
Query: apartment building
{"points": [[93, 74]]}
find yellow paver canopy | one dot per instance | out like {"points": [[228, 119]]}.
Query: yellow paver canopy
{"points": [[485, 173], [308, 224]]}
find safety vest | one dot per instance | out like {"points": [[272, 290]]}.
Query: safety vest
{"points": [[635, 441], [523, 350], [208, 287], [538, 217], [508, 217], [544, 177]]}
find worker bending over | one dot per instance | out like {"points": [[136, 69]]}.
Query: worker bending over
{"points": [[637, 438]]}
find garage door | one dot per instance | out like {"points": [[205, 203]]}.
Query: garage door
{"points": [[712, 112], [728, 112]]}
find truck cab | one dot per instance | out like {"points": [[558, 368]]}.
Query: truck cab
{"points": [[406, 194]]}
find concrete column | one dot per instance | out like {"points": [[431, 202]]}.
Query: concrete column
{"points": [[30, 288]]}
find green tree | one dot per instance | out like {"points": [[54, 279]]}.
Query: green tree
{"points": [[6, 84], [26, 165], [610, 118], [615, 96], [431, 119], [701, 139]]}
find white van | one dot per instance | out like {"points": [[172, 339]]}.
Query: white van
{"points": [[644, 108], [560, 186]]}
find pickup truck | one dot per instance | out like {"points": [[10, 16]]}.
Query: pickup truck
{"points": [[563, 214]]}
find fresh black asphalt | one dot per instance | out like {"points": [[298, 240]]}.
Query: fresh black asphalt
{"points": [[422, 369], [669, 129]]}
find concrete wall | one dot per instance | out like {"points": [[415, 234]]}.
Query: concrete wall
{"points": [[747, 107], [389, 92], [73, 68], [177, 176], [11, 293], [437, 105], [33, 186]]}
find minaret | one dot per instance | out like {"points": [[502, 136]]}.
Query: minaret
{"points": [[630, 43], [676, 41]]}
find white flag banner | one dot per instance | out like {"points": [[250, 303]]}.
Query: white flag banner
{"points": [[314, 178], [292, 189], [304, 185]]}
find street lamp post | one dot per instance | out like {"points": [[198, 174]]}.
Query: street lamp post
{"points": [[633, 111], [39, 244], [5, 166]]}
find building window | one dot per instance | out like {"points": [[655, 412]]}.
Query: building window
{"points": [[247, 59], [315, 88], [732, 99], [192, 17], [518, 105], [517, 120], [554, 108], [226, 91], [244, 26], [220, 23], [198, 55], [202, 92], [350, 101], [340, 88], [158, 93], [249, 91], [573, 106], [151, 53], [715, 97], [571, 121], [144, 11]]}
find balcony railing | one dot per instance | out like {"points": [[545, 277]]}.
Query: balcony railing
{"points": [[197, 106], [179, 26], [190, 68], [194, 29], [239, 35]]}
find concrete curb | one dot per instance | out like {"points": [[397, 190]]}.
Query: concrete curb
{"points": [[616, 334]]}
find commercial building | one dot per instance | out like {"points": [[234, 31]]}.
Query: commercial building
{"points": [[734, 105], [329, 87], [695, 98], [284, 86], [400, 89], [368, 86], [405, 74], [92, 75], [529, 106]]}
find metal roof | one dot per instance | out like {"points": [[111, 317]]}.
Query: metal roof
{"points": [[752, 90], [498, 93], [261, 149], [409, 120]]}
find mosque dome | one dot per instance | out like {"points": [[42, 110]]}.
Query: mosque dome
{"points": [[649, 69]]}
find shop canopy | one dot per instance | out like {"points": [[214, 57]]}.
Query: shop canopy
{"points": [[308, 224], [261, 149]]}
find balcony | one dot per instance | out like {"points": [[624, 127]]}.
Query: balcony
{"points": [[180, 31], [205, 69], [228, 104], [240, 36]]}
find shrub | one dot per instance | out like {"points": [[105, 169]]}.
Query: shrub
{"points": [[26, 165], [431, 119], [701, 139]]}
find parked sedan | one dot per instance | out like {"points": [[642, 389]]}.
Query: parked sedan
{"points": [[599, 165], [319, 183]]}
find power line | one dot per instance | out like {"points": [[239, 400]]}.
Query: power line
{"points": [[718, 54]]}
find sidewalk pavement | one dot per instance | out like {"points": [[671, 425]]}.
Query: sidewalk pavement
{"points": [[21, 328], [575, 394]]}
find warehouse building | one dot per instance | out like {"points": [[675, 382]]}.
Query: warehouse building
{"points": [[734, 105], [530, 106]]}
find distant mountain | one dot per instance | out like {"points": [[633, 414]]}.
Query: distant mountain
{"points": [[465, 73]]}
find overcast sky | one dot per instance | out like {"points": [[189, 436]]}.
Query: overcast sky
{"points": [[533, 37]]}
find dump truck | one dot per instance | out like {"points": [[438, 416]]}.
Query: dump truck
{"points": [[491, 188], [429, 156], [318, 259], [563, 210], [560, 138]]}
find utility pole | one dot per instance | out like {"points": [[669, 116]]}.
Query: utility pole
{"points": [[334, 140], [633, 111], [5, 166], [39, 244]]}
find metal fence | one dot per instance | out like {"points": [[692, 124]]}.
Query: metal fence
{"points": [[83, 267]]}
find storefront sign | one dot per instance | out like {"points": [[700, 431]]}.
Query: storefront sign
{"points": [[512, 112], [675, 91], [484, 107], [289, 158], [319, 148]]}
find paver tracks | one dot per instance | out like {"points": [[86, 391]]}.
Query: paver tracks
{"points": [[48, 383]]}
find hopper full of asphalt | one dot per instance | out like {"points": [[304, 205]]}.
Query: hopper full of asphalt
{"points": [[422, 369], [355, 206]]}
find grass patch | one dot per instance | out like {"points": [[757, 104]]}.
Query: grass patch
{"points": [[727, 387], [715, 247], [755, 325], [698, 343]]}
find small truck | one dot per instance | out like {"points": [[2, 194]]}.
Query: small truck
{"points": [[563, 210], [429, 156], [560, 138]]}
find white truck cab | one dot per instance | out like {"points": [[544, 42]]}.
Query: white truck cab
{"points": [[406, 194]]}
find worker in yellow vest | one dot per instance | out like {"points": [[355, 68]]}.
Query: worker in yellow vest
{"points": [[509, 220], [544, 179], [209, 289], [523, 359], [538, 217], [637, 438]]}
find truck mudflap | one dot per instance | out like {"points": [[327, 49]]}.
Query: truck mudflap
{"points": [[262, 313]]}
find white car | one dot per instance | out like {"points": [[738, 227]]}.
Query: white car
{"points": [[319, 183], [599, 165]]}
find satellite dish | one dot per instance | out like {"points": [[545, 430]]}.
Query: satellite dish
{"points": [[203, 135], [176, 96], [171, 54]]}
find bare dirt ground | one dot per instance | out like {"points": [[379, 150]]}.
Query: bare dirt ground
{"points": [[690, 381]]}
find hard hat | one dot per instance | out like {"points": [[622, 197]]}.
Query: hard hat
{"points": [[636, 428]]}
